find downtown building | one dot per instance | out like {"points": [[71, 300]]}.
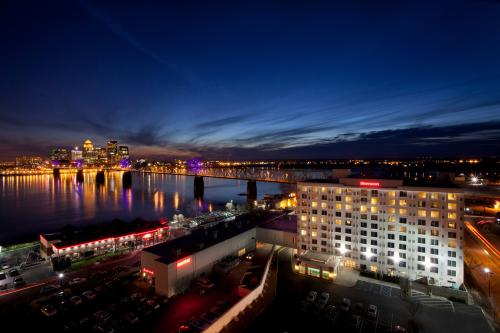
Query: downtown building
{"points": [[381, 226]]}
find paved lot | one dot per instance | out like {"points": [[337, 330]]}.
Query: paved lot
{"points": [[432, 314]]}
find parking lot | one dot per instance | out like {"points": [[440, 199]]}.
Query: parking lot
{"points": [[288, 314]]}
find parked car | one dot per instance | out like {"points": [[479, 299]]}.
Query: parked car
{"points": [[153, 304], [13, 272], [89, 295], [5, 266], [102, 315], [311, 296], [137, 297], [49, 288], [355, 322], [358, 309], [345, 306], [48, 310], [204, 283], [19, 282], [76, 300], [372, 311], [77, 280], [331, 313], [130, 317], [322, 300]]}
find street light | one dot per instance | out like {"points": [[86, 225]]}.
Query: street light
{"points": [[489, 273], [60, 275]]}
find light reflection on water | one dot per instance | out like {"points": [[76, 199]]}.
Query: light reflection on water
{"points": [[36, 203]]}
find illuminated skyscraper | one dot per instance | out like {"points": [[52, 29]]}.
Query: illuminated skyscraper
{"points": [[112, 152], [123, 152], [89, 155], [76, 154]]}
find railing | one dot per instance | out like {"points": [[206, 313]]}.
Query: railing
{"points": [[239, 307]]}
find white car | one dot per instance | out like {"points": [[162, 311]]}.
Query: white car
{"points": [[77, 280], [311, 297], [322, 300], [345, 306], [89, 294], [372, 311]]}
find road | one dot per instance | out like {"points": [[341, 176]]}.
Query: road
{"points": [[477, 257]]}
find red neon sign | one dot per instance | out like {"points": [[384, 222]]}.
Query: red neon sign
{"points": [[147, 271], [145, 233], [183, 262], [370, 184]]}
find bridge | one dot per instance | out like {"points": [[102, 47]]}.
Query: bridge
{"points": [[276, 175]]}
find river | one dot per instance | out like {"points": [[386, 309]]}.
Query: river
{"points": [[43, 203]]}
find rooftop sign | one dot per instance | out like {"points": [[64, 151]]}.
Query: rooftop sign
{"points": [[183, 262], [369, 184]]}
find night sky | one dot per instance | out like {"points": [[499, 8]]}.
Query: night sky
{"points": [[242, 80]]}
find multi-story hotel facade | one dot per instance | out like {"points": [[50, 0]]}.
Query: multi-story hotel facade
{"points": [[382, 226]]}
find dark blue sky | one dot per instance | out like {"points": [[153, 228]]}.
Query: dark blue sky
{"points": [[240, 80]]}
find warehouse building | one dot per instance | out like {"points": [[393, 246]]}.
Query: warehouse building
{"points": [[172, 266]]}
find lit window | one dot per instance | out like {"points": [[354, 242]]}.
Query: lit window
{"points": [[303, 218], [374, 201], [434, 214], [452, 215], [403, 202], [314, 234], [452, 206], [403, 211], [421, 213], [363, 209], [452, 225], [402, 229], [422, 195], [314, 204], [338, 206], [434, 196], [452, 196], [303, 232]]}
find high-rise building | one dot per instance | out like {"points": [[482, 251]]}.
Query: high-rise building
{"points": [[101, 155], [112, 152], [123, 152], [89, 155], [381, 226], [60, 155], [76, 154], [29, 161]]}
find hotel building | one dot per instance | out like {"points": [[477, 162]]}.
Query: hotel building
{"points": [[382, 226]]}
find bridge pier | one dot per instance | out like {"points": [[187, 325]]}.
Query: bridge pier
{"points": [[127, 179], [199, 187], [100, 179], [251, 189], [79, 176], [56, 172]]}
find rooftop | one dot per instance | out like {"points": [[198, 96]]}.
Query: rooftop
{"points": [[283, 223], [69, 235], [200, 239]]}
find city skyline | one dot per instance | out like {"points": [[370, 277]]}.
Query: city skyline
{"points": [[182, 81]]}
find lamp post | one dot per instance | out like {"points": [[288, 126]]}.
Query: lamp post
{"points": [[489, 273]]}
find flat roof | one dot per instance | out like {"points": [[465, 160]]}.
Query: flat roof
{"points": [[70, 236], [405, 183], [200, 239], [284, 223]]}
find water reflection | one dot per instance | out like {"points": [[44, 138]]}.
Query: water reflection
{"points": [[34, 203]]}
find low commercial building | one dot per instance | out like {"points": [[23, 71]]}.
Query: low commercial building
{"points": [[383, 226], [172, 266], [103, 239]]}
